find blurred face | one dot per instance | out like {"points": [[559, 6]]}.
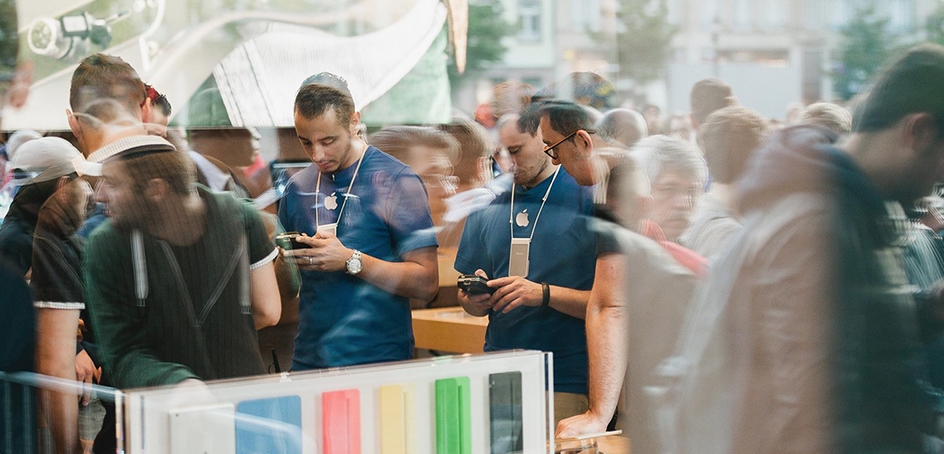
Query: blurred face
{"points": [[674, 197], [573, 154], [526, 153], [434, 168], [116, 190], [327, 141]]}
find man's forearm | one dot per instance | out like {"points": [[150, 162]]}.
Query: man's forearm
{"points": [[569, 301], [607, 340], [416, 277]]}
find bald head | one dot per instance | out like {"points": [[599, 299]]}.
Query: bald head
{"points": [[623, 126]]}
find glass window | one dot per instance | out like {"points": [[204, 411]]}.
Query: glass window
{"points": [[529, 16]]}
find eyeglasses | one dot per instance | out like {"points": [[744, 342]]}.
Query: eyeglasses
{"points": [[551, 151]]}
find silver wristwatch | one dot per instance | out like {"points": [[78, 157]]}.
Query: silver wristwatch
{"points": [[354, 264]]}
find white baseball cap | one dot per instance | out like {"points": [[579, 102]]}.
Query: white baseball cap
{"points": [[45, 159]]}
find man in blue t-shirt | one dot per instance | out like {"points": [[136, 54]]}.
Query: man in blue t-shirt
{"points": [[536, 247], [366, 221]]}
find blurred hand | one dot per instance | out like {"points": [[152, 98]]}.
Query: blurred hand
{"points": [[587, 423], [86, 373]]}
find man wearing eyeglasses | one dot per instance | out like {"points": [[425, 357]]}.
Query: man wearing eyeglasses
{"points": [[535, 247], [633, 275]]}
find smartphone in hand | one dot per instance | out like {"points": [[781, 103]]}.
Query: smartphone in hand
{"points": [[474, 284]]}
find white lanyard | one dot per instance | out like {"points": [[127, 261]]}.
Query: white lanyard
{"points": [[511, 218], [346, 195]]}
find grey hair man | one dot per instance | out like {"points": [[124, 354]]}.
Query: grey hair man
{"points": [[677, 173]]}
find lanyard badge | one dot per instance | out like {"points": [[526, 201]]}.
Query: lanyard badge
{"points": [[519, 261]]}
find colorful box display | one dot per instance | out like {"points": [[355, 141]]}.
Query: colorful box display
{"points": [[448, 405]]}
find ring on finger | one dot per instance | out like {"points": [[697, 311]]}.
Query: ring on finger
{"points": [[309, 260]]}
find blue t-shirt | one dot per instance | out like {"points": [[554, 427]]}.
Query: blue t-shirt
{"points": [[563, 253], [344, 320]]}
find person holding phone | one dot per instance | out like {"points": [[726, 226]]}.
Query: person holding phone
{"points": [[364, 218], [535, 251]]}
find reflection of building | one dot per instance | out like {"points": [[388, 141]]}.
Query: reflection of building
{"points": [[773, 52]]}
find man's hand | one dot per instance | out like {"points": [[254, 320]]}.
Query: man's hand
{"points": [[587, 423], [86, 373], [477, 305], [513, 292], [325, 254]]}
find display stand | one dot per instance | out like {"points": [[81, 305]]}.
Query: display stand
{"points": [[492, 403]]}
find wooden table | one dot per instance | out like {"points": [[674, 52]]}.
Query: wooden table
{"points": [[618, 444], [449, 329]]}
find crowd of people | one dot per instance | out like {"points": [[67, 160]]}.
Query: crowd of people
{"points": [[733, 284]]}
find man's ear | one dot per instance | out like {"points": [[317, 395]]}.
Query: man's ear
{"points": [[583, 137], [920, 132], [355, 120], [74, 125], [146, 111], [157, 189]]}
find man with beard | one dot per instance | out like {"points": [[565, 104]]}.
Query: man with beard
{"points": [[179, 278]]}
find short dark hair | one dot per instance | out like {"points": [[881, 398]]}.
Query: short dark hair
{"points": [[106, 77], [314, 100], [729, 138], [159, 100], [709, 95], [566, 117], [530, 119], [910, 84]]}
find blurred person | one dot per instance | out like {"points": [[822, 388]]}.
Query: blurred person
{"points": [[510, 97], [653, 115], [8, 186], [43, 166], [582, 87], [622, 126], [17, 432], [109, 108], [631, 331], [707, 96], [729, 138], [218, 151], [208, 283], [540, 298], [60, 302], [365, 217], [622, 257], [794, 113], [429, 153], [678, 125], [827, 355], [474, 170], [828, 115], [160, 112], [677, 173]]}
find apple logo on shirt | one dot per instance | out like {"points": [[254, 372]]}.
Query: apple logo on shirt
{"points": [[522, 219], [331, 202]]}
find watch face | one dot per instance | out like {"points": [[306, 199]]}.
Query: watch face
{"points": [[354, 264]]}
